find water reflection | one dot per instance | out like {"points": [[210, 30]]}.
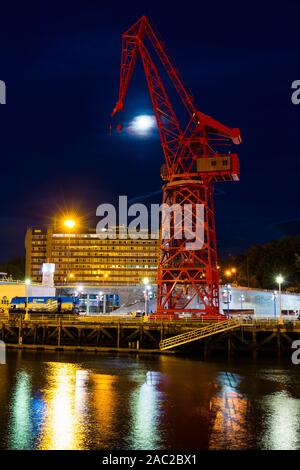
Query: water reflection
{"points": [[20, 429], [144, 407], [282, 422], [63, 426], [155, 403], [104, 401], [229, 412], [81, 393]]}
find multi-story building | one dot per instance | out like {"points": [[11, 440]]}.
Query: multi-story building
{"points": [[86, 258]]}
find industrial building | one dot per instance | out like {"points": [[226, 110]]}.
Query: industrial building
{"points": [[83, 257]]}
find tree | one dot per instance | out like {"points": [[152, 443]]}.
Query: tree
{"points": [[14, 267], [259, 264]]}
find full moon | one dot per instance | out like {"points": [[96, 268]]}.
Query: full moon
{"points": [[142, 125]]}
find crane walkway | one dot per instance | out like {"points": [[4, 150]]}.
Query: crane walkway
{"points": [[198, 333]]}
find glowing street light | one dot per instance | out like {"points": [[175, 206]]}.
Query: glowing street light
{"points": [[230, 273], [69, 223], [280, 280]]}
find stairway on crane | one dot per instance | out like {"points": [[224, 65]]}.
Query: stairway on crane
{"points": [[199, 333]]}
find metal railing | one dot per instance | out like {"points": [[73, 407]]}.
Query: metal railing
{"points": [[198, 333]]}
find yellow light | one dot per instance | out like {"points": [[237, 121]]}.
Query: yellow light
{"points": [[27, 282], [69, 223], [228, 273], [146, 281], [71, 275], [233, 270]]}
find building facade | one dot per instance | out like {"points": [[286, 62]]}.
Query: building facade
{"points": [[87, 258]]}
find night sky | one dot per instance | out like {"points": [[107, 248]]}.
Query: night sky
{"points": [[60, 61]]}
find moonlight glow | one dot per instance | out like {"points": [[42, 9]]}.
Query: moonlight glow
{"points": [[142, 125]]}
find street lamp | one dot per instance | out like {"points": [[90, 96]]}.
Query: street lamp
{"points": [[70, 224], [27, 283], [275, 300], [146, 284], [280, 280], [228, 294]]}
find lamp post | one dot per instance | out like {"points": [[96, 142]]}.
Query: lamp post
{"points": [[69, 223], [228, 292], [280, 280], [27, 284], [146, 284], [275, 300]]}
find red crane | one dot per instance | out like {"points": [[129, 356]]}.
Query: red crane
{"points": [[196, 156]]}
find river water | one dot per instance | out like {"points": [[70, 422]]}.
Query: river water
{"points": [[79, 401]]}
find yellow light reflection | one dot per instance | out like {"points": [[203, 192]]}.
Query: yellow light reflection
{"points": [[104, 399], [66, 401], [82, 378], [229, 409]]}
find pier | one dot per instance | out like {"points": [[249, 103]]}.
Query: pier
{"points": [[95, 334]]}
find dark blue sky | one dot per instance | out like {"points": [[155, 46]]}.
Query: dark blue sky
{"points": [[60, 61]]}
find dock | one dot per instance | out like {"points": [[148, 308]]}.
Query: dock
{"points": [[95, 334]]}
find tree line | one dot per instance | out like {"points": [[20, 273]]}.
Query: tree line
{"points": [[259, 265]]}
